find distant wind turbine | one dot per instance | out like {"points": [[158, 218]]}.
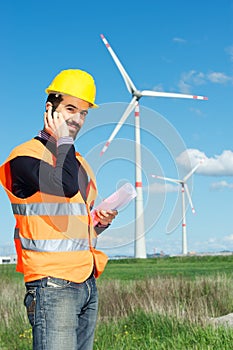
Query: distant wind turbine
{"points": [[184, 189], [140, 246]]}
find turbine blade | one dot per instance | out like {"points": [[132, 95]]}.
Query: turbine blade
{"points": [[189, 198], [171, 94], [167, 179], [125, 115], [129, 84], [192, 171]]}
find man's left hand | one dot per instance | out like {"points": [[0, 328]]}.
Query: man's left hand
{"points": [[105, 217]]}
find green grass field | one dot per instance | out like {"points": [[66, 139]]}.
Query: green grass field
{"points": [[162, 303], [190, 267]]}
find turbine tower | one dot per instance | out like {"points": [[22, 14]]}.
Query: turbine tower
{"points": [[184, 189], [140, 244]]}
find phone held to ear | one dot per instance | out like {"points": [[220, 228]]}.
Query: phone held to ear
{"points": [[52, 112]]}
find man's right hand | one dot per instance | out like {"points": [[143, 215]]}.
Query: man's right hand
{"points": [[55, 124]]}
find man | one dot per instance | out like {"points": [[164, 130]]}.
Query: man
{"points": [[52, 190]]}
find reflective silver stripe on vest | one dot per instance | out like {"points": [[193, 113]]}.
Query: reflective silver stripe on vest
{"points": [[56, 245], [16, 233], [49, 209]]}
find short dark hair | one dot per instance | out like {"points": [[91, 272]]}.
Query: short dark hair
{"points": [[55, 99]]}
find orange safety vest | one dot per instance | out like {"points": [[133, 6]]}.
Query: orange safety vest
{"points": [[54, 235]]}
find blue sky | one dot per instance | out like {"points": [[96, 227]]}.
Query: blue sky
{"points": [[164, 46]]}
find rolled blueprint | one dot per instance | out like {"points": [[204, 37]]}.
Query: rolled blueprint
{"points": [[116, 200]]}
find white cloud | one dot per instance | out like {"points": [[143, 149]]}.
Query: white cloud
{"points": [[197, 111], [188, 79], [198, 78], [179, 40], [158, 87], [229, 51], [184, 87], [214, 244], [218, 78], [219, 165], [221, 185], [191, 78], [190, 157], [228, 238], [163, 187]]}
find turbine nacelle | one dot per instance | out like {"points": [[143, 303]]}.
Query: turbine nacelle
{"points": [[137, 94]]}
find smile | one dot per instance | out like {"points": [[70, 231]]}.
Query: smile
{"points": [[73, 125]]}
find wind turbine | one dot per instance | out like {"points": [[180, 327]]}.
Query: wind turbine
{"points": [[184, 189], [140, 245]]}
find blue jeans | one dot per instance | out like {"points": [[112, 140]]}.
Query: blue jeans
{"points": [[62, 314]]}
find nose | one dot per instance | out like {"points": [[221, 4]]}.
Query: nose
{"points": [[76, 117]]}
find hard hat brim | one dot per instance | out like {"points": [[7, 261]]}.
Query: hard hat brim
{"points": [[48, 91]]}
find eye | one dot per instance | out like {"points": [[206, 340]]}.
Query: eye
{"points": [[83, 114], [70, 109]]}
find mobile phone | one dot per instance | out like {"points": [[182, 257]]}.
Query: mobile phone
{"points": [[53, 110]]}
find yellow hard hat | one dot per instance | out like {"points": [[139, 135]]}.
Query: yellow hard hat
{"points": [[74, 82]]}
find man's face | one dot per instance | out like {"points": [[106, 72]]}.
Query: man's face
{"points": [[74, 111]]}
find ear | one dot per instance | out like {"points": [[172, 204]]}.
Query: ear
{"points": [[48, 104]]}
